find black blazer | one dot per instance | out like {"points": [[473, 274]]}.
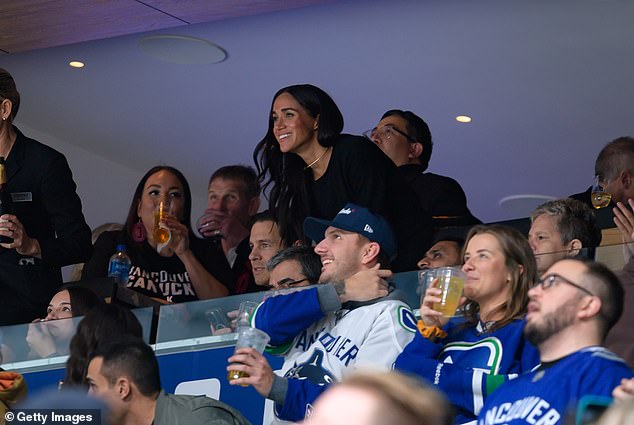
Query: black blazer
{"points": [[46, 202]]}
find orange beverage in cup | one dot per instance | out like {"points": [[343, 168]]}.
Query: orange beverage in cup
{"points": [[248, 337], [450, 281], [161, 232]]}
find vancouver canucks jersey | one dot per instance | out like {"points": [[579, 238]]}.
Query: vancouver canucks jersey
{"points": [[319, 347], [469, 364], [545, 395]]}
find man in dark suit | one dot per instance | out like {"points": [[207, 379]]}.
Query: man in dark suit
{"points": [[405, 138], [47, 226]]}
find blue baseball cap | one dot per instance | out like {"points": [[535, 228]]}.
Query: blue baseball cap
{"points": [[354, 218]]}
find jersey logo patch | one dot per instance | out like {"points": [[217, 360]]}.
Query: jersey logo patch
{"points": [[485, 354], [312, 370], [406, 319]]}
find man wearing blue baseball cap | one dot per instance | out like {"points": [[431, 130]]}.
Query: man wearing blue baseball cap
{"points": [[352, 319]]}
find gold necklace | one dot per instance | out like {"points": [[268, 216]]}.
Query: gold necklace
{"points": [[317, 160]]}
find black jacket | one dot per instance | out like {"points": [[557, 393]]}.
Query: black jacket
{"points": [[45, 201]]}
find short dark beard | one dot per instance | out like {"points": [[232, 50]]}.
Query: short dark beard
{"points": [[551, 324]]}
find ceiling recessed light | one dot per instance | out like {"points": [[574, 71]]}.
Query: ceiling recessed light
{"points": [[463, 118], [76, 64]]}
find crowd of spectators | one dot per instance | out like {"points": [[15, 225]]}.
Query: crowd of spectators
{"points": [[345, 212]]}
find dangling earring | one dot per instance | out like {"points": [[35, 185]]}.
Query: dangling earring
{"points": [[138, 231]]}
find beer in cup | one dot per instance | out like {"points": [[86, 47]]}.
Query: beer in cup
{"points": [[162, 234], [450, 280], [248, 338]]}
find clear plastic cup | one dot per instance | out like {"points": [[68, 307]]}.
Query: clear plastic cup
{"points": [[451, 282], [248, 338]]}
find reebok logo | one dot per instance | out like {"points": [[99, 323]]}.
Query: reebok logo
{"points": [[368, 229], [346, 211]]}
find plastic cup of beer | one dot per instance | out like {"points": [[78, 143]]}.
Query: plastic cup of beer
{"points": [[450, 281], [425, 279], [248, 338], [162, 234]]}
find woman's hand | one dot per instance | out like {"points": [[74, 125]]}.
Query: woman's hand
{"points": [[40, 340], [430, 316], [12, 227], [179, 239]]}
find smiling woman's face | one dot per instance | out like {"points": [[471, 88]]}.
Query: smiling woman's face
{"points": [[294, 129]]}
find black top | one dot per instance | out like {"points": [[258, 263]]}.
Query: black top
{"points": [[442, 197], [243, 280], [361, 173], [154, 275], [46, 203]]}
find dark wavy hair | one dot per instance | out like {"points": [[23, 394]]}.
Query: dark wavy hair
{"points": [[100, 325], [8, 90], [132, 217], [284, 174], [82, 299]]}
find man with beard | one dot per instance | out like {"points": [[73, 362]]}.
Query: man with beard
{"points": [[571, 309], [353, 318]]}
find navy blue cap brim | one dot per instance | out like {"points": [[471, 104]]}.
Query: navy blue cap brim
{"points": [[315, 228]]}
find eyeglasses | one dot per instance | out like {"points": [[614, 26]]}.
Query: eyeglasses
{"points": [[554, 279], [385, 133], [288, 282]]}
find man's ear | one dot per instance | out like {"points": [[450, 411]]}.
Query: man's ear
{"points": [[254, 205], [626, 179], [370, 252], [6, 106], [590, 307], [415, 149], [574, 246], [123, 387]]}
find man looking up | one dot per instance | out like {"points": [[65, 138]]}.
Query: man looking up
{"points": [[571, 309], [405, 138], [445, 252], [352, 319], [560, 229], [233, 199]]}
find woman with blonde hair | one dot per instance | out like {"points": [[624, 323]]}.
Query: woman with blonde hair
{"points": [[468, 357]]}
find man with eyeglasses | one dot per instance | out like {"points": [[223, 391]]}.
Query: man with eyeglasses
{"points": [[405, 138], [570, 311], [353, 318], [294, 267]]}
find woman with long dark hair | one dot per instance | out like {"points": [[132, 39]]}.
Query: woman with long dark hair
{"points": [[185, 268], [51, 335], [313, 169], [468, 357]]}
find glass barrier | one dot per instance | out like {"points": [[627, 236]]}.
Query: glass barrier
{"points": [[208, 322], [44, 344]]}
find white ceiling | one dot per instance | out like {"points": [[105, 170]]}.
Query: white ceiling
{"points": [[547, 82]]}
